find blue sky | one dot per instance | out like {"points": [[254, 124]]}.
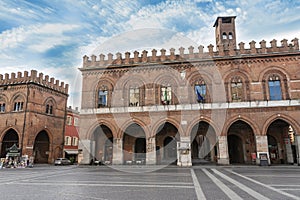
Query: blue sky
{"points": [[53, 36]]}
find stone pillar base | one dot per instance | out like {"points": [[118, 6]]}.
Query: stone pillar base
{"points": [[223, 161]]}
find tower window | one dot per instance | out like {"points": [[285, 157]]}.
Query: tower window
{"points": [[230, 36], [224, 36]]}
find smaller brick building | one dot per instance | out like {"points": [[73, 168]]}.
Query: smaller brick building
{"points": [[71, 134], [32, 115]]}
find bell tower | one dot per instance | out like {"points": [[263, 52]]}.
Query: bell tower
{"points": [[225, 31]]}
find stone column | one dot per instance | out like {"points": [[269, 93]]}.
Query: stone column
{"points": [[117, 152], [151, 153], [223, 156], [184, 157], [289, 152], [88, 150], [262, 147], [297, 143]]}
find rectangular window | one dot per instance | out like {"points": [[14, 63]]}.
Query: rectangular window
{"points": [[76, 121], [102, 98], [67, 140], [2, 107], [69, 120], [236, 92], [134, 97], [166, 95], [200, 91], [275, 90], [18, 106], [75, 141]]}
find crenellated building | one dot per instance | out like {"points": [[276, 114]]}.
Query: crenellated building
{"points": [[32, 115], [225, 105]]}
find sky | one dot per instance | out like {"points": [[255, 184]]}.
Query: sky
{"points": [[53, 36]]}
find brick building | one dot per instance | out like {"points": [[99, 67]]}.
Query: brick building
{"points": [[71, 134], [32, 115], [230, 104]]}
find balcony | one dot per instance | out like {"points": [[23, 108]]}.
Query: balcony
{"points": [[196, 106]]}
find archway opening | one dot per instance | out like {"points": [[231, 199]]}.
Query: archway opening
{"points": [[281, 144], [103, 139], [166, 144], [134, 145], [10, 138], [203, 147], [41, 147], [241, 143]]}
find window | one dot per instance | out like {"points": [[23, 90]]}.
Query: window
{"points": [[230, 36], [76, 121], [18, 106], [224, 36], [166, 95], [2, 107], [49, 109], [74, 141], [200, 91], [68, 141], [236, 89], [102, 98], [134, 96], [69, 120], [275, 88]]}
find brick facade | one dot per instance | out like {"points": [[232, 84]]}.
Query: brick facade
{"points": [[33, 111], [147, 109]]}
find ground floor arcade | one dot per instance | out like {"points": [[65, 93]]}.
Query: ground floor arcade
{"points": [[241, 142], [40, 149]]}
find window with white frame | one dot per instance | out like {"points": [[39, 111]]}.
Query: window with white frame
{"points": [[75, 141], [134, 97], [236, 89], [67, 141], [102, 98], [76, 121], [69, 120]]}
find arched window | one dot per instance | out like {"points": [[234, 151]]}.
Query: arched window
{"points": [[166, 95], [2, 107], [200, 91], [102, 97], [224, 36], [230, 36], [237, 93], [49, 106], [18, 103], [134, 96], [274, 87]]}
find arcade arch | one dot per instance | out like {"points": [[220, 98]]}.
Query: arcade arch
{"points": [[203, 140], [10, 138], [103, 138], [41, 147], [241, 143]]}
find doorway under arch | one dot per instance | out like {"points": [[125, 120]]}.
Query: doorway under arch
{"points": [[41, 147], [282, 148], [166, 144], [10, 138], [241, 143], [134, 145], [203, 143], [103, 138]]}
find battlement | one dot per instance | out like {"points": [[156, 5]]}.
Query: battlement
{"points": [[221, 52], [34, 77]]}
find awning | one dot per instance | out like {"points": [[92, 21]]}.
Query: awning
{"points": [[71, 151]]}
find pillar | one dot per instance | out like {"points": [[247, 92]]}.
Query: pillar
{"points": [[223, 156], [88, 151], [151, 153], [297, 144], [262, 147], [184, 158], [117, 151]]}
